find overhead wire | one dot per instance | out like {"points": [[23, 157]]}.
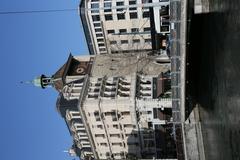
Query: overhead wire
{"points": [[37, 11]]}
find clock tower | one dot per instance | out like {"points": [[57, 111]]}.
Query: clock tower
{"points": [[74, 67]]}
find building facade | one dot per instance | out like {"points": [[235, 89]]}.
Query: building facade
{"points": [[123, 26], [115, 106]]}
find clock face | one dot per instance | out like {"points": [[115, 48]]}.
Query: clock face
{"points": [[80, 70]]}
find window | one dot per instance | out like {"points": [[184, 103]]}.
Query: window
{"points": [[111, 31], [94, 0], [100, 126], [148, 40], [97, 116], [75, 114], [102, 49], [120, 4], [117, 144], [127, 125], [103, 144], [101, 44], [113, 42], [98, 30], [145, 1], [126, 113], [95, 6], [136, 40], [100, 40], [147, 29], [99, 35], [121, 16], [108, 17], [96, 18], [164, 28], [134, 30], [132, 2], [100, 135], [124, 41], [115, 126], [149, 112], [132, 8], [115, 135], [114, 117], [133, 15], [146, 14], [122, 30], [108, 5], [96, 24]]}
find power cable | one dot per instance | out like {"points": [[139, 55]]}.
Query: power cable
{"points": [[37, 11]]}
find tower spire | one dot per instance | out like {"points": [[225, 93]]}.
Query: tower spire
{"points": [[41, 81]]}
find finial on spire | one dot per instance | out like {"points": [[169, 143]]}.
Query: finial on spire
{"points": [[26, 82], [41, 81]]}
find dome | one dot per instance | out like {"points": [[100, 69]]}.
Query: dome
{"points": [[37, 81]]}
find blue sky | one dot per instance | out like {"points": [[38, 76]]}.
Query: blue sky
{"points": [[32, 44]]}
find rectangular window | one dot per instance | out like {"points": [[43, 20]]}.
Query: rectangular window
{"points": [[164, 28], [145, 1], [108, 17], [146, 14], [100, 40], [94, 0], [124, 41], [102, 49], [115, 135], [121, 16], [134, 30], [75, 114], [128, 126], [115, 126], [97, 116], [133, 15], [148, 40], [122, 30], [136, 40], [99, 35], [108, 5], [98, 30], [126, 113], [147, 29], [103, 144], [96, 24], [100, 135], [114, 117], [132, 8], [100, 126], [110, 31], [95, 6], [117, 144], [96, 18], [113, 42], [132, 2], [120, 4], [101, 44]]}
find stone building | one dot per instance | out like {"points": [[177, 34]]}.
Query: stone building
{"points": [[116, 106], [123, 26]]}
